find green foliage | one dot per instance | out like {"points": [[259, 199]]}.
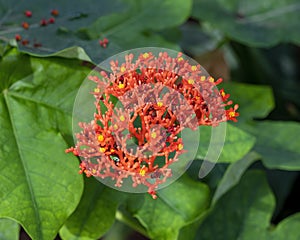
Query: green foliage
{"points": [[9, 229], [282, 151], [245, 213], [256, 23], [40, 189], [84, 23], [95, 213], [177, 205]]}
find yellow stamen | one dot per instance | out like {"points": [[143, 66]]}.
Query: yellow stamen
{"points": [[121, 85], [143, 171], [94, 171], [96, 90], [191, 81], [211, 79], [145, 55], [122, 118], [153, 134], [232, 114], [180, 146], [180, 59], [102, 149], [202, 78], [194, 68], [115, 126], [100, 138], [159, 104], [123, 69]]}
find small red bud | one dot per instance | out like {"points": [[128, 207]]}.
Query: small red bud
{"points": [[51, 20], [25, 25], [25, 42], [54, 12], [18, 37], [43, 22], [28, 13], [103, 43]]}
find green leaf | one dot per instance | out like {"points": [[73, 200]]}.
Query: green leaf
{"points": [[233, 174], [126, 23], [254, 101], [95, 213], [236, 143], [64, 33], [176, 206], [277, 143], [245, 212], [72, 53], [242, 213], [143, 15], [39, 184], [256, 23], [9, 229], [287, 229]]}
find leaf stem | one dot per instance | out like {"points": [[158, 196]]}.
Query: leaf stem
{"points": [[131, 222]]}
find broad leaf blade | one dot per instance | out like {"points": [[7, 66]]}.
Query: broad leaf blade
{"points": [[236, 144], [287, 229], [242, 213], [176, 206], [245, 212], [39, 187], [95, 213], [126, 23], [254, 101], [256, 23], [9, 229], [233, 174], [277, 143]]}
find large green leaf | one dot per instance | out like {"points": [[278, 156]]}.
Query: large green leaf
{"points": [[95, 213], [236, 143], [126, 23], [233, 174], [245, 213], [256, 23], [242, 213], [287, 229], [9, 229], [277, 143], [176, 206], [255, 101], [39, 184]]}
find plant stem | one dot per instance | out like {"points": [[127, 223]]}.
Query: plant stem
{"points": [[131, 222]]}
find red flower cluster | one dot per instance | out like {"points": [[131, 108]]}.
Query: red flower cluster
{"points": [[160, 96]]}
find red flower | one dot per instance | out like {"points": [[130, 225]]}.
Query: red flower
{"points": [[160, 96]]}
